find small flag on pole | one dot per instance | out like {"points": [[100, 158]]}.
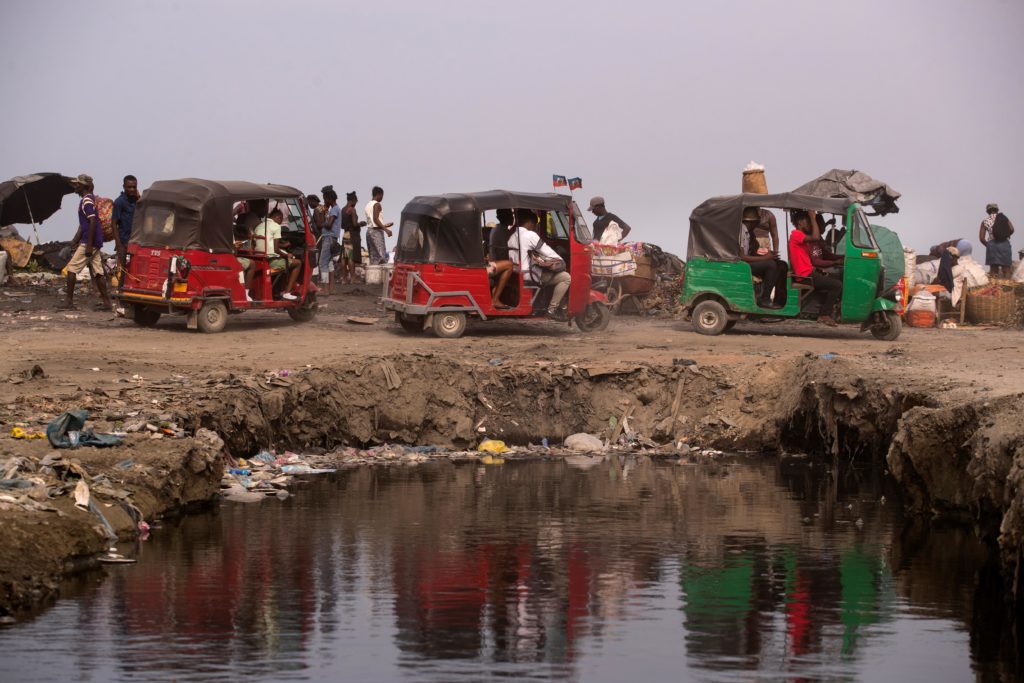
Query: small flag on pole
{"points": [[558, 181], [575, 183]]}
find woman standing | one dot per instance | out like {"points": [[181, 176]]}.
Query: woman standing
{"points": [[995, 234]]}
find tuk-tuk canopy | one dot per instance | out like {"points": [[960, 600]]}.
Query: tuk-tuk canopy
{"points": [[196, 213], [447, 228], [855, 185], [715, 225]]}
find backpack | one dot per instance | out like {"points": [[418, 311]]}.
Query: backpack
{"points": [[105, 212], [1001, 228]]}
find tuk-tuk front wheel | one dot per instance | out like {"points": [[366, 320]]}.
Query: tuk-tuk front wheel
{"points": [[594, 318], [449, 325], [887, 326], [306, 312], [710, 317], [213, 317], [145, 317]]}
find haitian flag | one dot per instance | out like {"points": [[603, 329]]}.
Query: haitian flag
{"points": [[575, 183], [558, 181]]}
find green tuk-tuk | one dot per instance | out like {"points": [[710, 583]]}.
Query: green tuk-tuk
{"points": [[719, 288]]}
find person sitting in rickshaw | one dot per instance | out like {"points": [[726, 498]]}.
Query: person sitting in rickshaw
{"points": [[500, 264], [267, 236], [764, 263], [806, 233], [543, 264]]}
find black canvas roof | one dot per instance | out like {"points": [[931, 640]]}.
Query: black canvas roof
{"points": [[715, 224]]}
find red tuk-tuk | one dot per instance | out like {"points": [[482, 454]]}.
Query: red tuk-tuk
{"points": [[187, 238], [441, 276]]}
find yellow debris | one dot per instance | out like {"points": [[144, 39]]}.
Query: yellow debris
{"points": [[19, 433], [493, 446]]}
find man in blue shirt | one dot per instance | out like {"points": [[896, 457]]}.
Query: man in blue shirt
{"points": [[124, 214]]}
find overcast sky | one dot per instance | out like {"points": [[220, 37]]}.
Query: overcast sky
{"points": [[656, 105]]}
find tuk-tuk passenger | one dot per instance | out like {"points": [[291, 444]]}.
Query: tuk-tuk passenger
{"points": [[497, 246], [763, 263], [267, 236], [805, 232], [544, 265]]}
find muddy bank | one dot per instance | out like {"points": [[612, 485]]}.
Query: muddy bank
{"points": [[962, 462], [47, 537]]}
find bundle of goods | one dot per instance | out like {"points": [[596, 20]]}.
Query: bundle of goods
{"points": [[993, 303], [753, 179], [921, 310], [611, 260]]}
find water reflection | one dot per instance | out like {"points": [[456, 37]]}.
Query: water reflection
{"points": [[578, 570]]}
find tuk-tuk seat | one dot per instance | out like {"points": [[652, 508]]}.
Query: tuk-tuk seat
{"points": [[801, 282]]}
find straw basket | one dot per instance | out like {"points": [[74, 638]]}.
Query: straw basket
{"points": [[754, 182], [992, 304]]}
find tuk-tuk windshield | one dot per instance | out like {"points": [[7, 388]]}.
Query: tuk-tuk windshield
{"points": [[583, 234], [860, 231]]}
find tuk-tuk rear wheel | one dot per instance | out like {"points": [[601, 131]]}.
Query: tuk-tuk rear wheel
{"points": [[306, 312], [449, 325], [213, 317], [412, 325], [145, 317], [888, 327], [710, 317]]}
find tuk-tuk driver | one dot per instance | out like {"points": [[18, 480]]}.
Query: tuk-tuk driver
{"points": [[544, 265], [828, 288], [763, 263], [268, 236]]}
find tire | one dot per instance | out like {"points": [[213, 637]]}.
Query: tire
{"points": [[213, 317], [710, 317], [594, 318], [145, 317], [306, 312], [412, 325], [449, 325], [729, 325], [890, 327]]}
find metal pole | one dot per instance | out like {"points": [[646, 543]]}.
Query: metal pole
{"points": [[35, 231]]}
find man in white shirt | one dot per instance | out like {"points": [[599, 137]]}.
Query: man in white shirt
{"points": [[267, 236], [526, 246]]}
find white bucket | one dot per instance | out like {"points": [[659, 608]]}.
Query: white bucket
{"points": [[375, 274]]}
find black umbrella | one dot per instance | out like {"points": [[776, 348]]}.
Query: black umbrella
{"points": [[32, 198]]}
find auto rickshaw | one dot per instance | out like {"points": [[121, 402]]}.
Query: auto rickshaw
{"points": [[183, 256], [719, 288], [441, 276]]}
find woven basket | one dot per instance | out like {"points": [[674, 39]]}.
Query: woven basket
{"points": [[992, 304], [753, 181]]}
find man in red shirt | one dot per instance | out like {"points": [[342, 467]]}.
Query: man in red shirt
{"points": [[805, 233]]}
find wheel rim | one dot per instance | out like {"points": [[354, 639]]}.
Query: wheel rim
{"points": [[449, 323], [708, 319], [213, 315]]}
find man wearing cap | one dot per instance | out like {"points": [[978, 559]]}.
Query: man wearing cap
{"points": [[764, 263], [604, 219], [995, 234], [88, 241]]}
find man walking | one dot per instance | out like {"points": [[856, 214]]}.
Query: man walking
{"points": [[376, 230], [123, 215], [88, 241], [605, 219]]}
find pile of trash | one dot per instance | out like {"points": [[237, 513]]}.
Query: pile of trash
{"points": [[269, 475]]}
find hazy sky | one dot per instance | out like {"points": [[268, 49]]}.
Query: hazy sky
{"points": [[656, 105]]}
